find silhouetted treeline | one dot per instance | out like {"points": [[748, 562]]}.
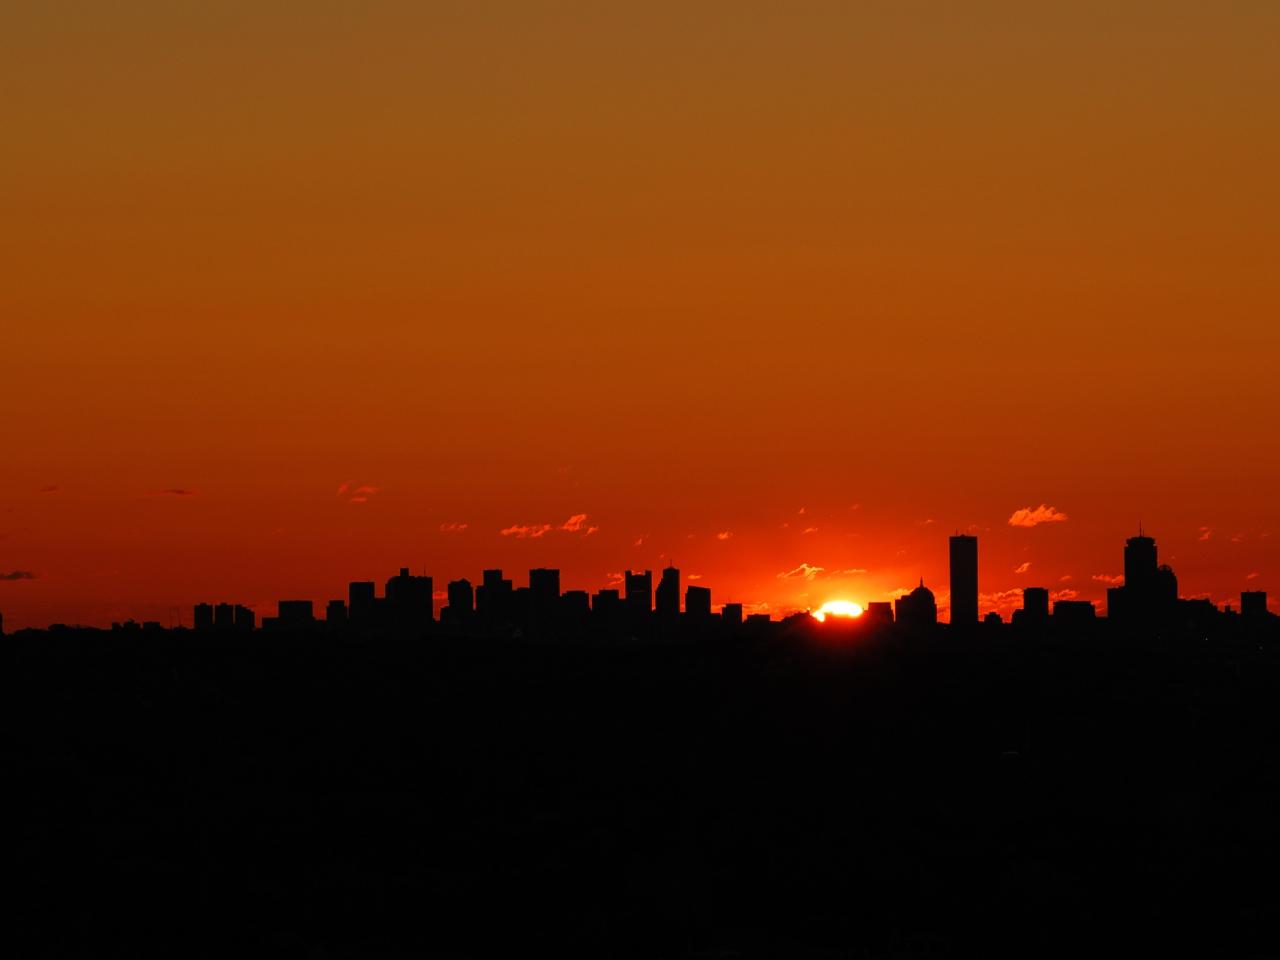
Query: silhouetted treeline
{"points": [[793, 791]]}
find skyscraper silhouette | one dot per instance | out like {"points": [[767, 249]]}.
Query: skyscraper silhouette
{"points": [[1140, 564], [1253, 604], [461, 600], [361, 601], [964, 580], [667, 600], [639, 593], [697, 602], [1035, 605]]}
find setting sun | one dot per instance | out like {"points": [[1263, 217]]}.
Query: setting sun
{"points": [[836, 608]]}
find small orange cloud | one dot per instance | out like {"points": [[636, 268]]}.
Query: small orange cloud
{"points": [[522, 531], [1110, 579], [1034, 516], [803, 572], [724, 535], [574, 523], [452, 527], [1023, 567]]}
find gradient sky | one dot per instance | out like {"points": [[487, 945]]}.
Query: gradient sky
{"points": [[760, 287]]}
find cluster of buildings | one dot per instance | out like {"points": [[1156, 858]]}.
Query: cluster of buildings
{"points": [[1149, 595], [495, 603]]}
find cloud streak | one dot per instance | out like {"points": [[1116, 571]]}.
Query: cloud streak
{"points": [[1034, 516], [803, 572], [526, 531], [18, 575]]}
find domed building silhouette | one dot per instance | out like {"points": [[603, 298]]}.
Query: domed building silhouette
{"points": [[917, 609]]}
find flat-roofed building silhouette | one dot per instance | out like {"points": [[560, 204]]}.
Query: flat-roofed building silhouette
{"points": [[409, 600], [224, 617], [361, 601], [246, 619], [295, 613], [335, 613], [1073, 611], [1035, 604], [879, 611], [606, 603], [964, 579], [575, 606], [544, 594], [493, 597], [203, 616], [1253, 604], [731, 614], [697, 602]]}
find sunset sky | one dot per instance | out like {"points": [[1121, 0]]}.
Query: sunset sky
{"points": [[298, 293]]}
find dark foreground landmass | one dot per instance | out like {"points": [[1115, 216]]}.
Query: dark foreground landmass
{"points": [[333, 796]]}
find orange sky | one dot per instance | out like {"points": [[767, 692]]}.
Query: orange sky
{"points": [[687, 269]]}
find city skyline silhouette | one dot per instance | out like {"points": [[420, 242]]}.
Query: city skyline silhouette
{"points": [[487, 478]]}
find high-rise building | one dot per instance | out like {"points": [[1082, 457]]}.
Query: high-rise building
{"points": [[361, 601], [1150, 591], [1140, 564], [639, 592], [335, 613], [224, 617], [731, 614], [461, 600], [1035, 604], [246, 619], [697, 602], [493, 597], [203, 619], [1253, 604], [409, 600], [544, 593], [964, 579], [667, 599]]}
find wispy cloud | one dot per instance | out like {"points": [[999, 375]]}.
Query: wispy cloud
{"points": [[803, 572], [1067, 594], [1065, 578], [1110, 579], [1034, 516], [1205, 533], [640, 540], [724, 535], [178, 492], [1023, 567], [18, 575], [452, 527], [849, 572], [809, 530], [356, 493], [1253, 575], [51, 488], [574, 523], [522, 531], [695, 576]]}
